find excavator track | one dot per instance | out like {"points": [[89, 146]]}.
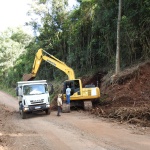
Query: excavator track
{"points": [[87, 105], [65, 108]]}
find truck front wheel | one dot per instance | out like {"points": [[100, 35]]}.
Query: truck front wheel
{"points": [[47, 111], [23, 114]]}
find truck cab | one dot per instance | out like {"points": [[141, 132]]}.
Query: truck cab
{"points": [[33, 96]]}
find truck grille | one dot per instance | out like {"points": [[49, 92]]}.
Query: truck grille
{"points": [[37, 107], [38, 101]]}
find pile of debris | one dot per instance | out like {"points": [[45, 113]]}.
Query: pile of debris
{"points": [[126, 97]]}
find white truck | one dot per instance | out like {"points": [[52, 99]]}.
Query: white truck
{"points": [[33, 96]]}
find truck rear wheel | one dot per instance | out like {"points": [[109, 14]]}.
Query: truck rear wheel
{"points": [[47, 111]]}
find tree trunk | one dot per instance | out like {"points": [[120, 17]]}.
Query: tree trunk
{"points": [[118, 39]]}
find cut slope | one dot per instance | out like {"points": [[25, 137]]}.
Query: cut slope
{"points": [[127, 96]]}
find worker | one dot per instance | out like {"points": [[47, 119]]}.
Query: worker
{"points": [[59, 104], [68, 92]]}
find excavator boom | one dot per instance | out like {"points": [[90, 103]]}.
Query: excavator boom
{"points": [[43, 55]]}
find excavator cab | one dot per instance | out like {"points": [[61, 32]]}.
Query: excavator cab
{"points": [[74, 85]]}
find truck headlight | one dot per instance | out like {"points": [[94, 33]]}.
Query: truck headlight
{"points": [[47, 106], [25, 108]]}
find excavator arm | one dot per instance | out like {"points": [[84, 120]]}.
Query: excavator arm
{"points": [[43, 55]]}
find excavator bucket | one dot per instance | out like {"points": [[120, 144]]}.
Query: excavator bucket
{"points": [[28, 77]]}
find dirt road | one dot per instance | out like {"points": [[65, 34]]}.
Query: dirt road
{"points": [[71, 131]]}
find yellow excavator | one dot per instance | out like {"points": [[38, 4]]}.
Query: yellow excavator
{"points": [[80, 96]]}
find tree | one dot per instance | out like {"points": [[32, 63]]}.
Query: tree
{"points": [[118, 39], [12, 45]]}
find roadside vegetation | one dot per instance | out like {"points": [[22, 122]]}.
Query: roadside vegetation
{"points": [[84, 38]]}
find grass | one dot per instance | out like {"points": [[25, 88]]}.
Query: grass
{"points": [[8, 90]]}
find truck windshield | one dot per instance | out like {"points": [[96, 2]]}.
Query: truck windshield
{"points": [[35, 89]]}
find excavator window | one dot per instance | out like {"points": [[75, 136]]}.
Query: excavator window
{"points": [[76, 86], [73, 84]]}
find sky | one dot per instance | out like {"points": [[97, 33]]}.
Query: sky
{"points": [[13, 13]]}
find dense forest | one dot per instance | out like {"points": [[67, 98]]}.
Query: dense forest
{"points": [[83, 37]]}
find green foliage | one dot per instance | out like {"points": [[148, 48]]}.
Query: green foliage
{"points": [[9, 90], [12, 46], [84, 38], [135, 31]]}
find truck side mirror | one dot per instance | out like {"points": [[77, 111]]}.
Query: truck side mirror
{"points": [[16, 91], [51, 90]]}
